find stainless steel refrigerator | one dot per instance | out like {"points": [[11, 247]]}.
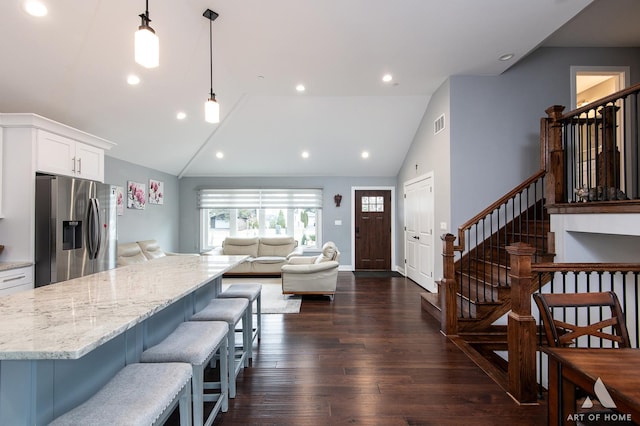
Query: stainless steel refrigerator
{"points": [[76, 232]]}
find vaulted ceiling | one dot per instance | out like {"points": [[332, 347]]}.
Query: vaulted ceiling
{"points": [[72, 66]]}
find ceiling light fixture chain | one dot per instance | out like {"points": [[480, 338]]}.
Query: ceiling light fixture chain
{"points": [[213, 95], [211, 106], [145, 18]]}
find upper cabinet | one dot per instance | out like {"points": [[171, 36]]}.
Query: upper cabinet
{"points": [[60, 155]]}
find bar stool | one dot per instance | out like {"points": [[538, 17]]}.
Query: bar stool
{"points": [[253, 293], [138, 394], [232, 311], [196, 343]]}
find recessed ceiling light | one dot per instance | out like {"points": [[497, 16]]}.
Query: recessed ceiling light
{"points": [[181, 115], [387, 78], [300, 88], [35, 8], [133, 79], [506, 56], [219, 154], [365, 154], [305, 154]]}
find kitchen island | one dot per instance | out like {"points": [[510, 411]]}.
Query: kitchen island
{"points": [[60, 343]]}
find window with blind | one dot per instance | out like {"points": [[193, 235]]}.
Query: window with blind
{"points": [[260, 212]]}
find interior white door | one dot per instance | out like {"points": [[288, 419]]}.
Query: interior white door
{"points": [[419, 222]]}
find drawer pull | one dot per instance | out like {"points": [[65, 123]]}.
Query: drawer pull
{"points": [[19, 277]]}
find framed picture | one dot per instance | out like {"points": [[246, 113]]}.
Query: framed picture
{"points": [[156, 192], [136, 195], [119, 200]]}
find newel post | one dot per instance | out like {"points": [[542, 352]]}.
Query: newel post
{"points": [[448, 289], [521, 328], [555, 185]]}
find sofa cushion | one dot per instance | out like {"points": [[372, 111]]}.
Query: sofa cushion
{"points": [[234, 246], [276, 246], [269, 259], [329, 251]]}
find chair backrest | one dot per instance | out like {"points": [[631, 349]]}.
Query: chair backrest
{"points": [[562, 333]]}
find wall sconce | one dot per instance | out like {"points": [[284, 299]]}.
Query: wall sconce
{"points": [[337, 198]]}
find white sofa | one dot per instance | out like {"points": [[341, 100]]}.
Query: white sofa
{"points": [[266, 254], [143, 251], [312, 274]]}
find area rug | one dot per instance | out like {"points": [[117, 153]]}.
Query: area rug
{"points": [[273, 301]]}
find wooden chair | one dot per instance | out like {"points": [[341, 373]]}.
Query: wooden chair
{"points": [[561, 333]]}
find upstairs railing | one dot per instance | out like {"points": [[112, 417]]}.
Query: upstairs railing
{"points": [[523, 334], [593, 152]]}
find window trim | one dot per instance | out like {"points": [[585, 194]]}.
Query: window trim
{"points": [[259, 199]]}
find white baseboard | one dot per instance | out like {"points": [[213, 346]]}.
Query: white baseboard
{"points": [[349, 268]]}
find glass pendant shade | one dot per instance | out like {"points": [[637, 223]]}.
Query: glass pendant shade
{"points": [[212, 110], [147, 47]]}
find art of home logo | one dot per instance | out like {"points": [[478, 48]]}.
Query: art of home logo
{"points": [[600, 390]]}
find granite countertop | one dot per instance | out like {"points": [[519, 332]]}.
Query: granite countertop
{"points": [[6, 266], [66, 320]]}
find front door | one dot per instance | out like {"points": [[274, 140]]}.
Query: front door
{"points": [[373, 230]]}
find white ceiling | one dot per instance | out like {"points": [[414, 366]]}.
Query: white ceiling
{"points": [[71, 66]]}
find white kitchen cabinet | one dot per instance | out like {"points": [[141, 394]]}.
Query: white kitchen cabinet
{"points": [[59, 155], [14, 280]]}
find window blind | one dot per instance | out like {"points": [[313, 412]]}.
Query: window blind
{"points": [[259, 198]]}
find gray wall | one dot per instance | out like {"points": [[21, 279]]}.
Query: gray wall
{"points": [[494, 125], [156, 221], [429, 153], [340, 234]]}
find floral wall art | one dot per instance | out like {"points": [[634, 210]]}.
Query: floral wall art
{"points": [[156, 192], [119, 200], [136, 195]]}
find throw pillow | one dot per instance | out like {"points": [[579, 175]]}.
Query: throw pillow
{"points": [[328, 253]]}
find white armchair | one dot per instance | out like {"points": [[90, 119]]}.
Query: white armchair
{"points": [[312, 274]]}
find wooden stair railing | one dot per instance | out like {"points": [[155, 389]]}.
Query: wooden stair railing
{"points": [[474, 291], [590, 154]]}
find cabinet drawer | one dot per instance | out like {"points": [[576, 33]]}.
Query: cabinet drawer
{"points": [[11, 290], [15, 277]]}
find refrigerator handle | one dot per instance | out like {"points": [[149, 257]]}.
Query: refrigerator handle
{"points": [[94, 234], [98, 228]]}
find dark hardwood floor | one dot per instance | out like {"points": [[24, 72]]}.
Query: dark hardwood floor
{"points": [[369, 357]]}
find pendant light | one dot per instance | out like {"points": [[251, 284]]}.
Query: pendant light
{"points": [[147, 46], [211, 106]]}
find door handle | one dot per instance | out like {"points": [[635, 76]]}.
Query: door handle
{"points": [[416, 237], [79, 166], [73, 160]]}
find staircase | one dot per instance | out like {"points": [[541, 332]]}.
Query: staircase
{"points": [[509, 241], [482, 271]]}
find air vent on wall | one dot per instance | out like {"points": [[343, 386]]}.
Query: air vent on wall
{"points": [[438, 125]]}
